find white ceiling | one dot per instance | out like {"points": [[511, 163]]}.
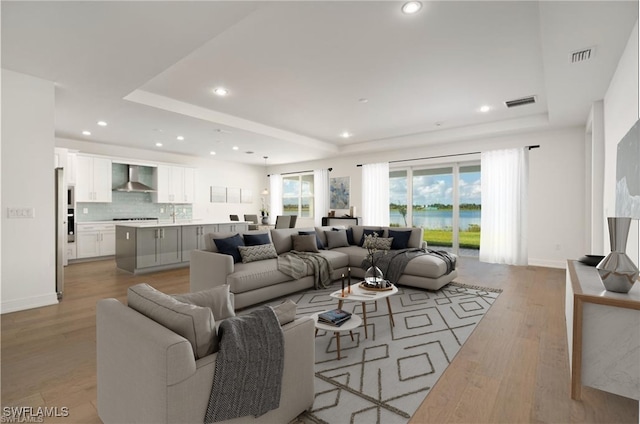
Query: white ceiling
{"points": [[296, 71]]}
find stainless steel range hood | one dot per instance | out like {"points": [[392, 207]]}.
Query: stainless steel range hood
{"points": [[134, 184]]}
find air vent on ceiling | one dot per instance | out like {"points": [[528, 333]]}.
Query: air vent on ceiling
{"points": [[520, 102], [582, 55]]}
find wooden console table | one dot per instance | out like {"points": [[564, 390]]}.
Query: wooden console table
{"points": [[603, 332]]}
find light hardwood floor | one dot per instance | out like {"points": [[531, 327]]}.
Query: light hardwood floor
{"points": [[513, 368]]}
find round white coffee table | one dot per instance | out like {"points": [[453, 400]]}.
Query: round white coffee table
{"points": [[349, 325], [358, 294]]}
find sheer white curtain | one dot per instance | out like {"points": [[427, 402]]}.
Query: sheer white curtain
{"points": [[375, 194], [505, 175], [275, 190], [320, 195]]}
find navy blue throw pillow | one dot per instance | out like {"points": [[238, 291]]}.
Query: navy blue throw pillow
{"points": [[400, 239], [365, 233], [350, 236], [256, 239], [319, 242], [229, 246]]}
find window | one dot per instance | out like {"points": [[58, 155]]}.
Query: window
{"points": [[445, 201], [297, 195]]}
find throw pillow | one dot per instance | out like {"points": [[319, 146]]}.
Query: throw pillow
{"points": [[366, 232], [382, 243], [319, 243], [218, 299], [194, 323], [400, 239], [286, 311], [256, 239], [350, 239], [336, 239], [257, 253], [229, 246], [304, 243]]}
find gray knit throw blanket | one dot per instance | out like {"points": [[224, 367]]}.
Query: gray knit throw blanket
{"points": [[393, 262], [248, 374], [294, 264]]}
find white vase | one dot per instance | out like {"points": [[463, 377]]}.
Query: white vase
{"points": [[617, 271]]}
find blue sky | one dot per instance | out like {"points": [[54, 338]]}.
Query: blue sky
{"points": [[430, 189]]}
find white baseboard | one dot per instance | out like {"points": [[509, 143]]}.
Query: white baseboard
{"points": [[28, 303], [548, 263]]}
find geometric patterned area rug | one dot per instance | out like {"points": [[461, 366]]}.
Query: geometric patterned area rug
{"points": [[384, 378]]}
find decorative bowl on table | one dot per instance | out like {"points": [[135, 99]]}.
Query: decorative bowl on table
{"points": [[380, 285], [591, 260]]}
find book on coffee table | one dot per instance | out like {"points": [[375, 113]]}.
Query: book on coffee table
{"points": [[335, 317]]}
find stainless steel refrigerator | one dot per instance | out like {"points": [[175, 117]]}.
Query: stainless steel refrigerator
{"points": [[61, 228]]}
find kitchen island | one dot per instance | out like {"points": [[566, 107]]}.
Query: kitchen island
{"points": [[148, 247]]}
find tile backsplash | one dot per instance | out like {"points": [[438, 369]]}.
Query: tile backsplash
{"points": [[130, 205]]}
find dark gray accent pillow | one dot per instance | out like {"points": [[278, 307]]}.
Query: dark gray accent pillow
{"points": [[400, 239], [319, 242], [256, 239], [336, 239], [304, 243], [229, 246]]}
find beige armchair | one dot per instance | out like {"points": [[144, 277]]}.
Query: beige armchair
{"points": [[148, 373]]}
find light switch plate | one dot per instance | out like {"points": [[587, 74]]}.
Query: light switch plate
{"points": [[21, 213]]}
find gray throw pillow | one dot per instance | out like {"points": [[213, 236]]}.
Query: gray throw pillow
{"points": [[336, 238], [286, 311], [259, 252], [218, 299], [304, 243], [194, 323]]}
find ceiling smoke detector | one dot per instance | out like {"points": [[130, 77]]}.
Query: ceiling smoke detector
{"points": [[520, 102], [582, 55]]}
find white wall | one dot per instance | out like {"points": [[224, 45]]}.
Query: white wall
{"points": [[209, 172], [556, 184], [28, 245], [621, 111]]}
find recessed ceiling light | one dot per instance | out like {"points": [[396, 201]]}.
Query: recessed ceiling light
{"points": [[485, 108], [102, 123], [220, 91], [86, 132], [235, 147], [180, 138], [346, 134], [363, 100], [158, 144], [411, 7], [212, 152]]}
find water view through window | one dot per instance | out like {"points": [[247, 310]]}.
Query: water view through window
{"points": [[449, 215]]}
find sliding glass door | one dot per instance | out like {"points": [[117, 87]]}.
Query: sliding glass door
{"points": [[444, 200]]}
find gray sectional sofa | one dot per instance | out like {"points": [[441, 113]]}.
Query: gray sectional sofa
{"points": [[259, 281]]}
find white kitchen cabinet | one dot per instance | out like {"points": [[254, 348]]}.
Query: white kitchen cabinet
{"points": [[174, 184], [93, 240], [93, 179], [63, 158]]}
